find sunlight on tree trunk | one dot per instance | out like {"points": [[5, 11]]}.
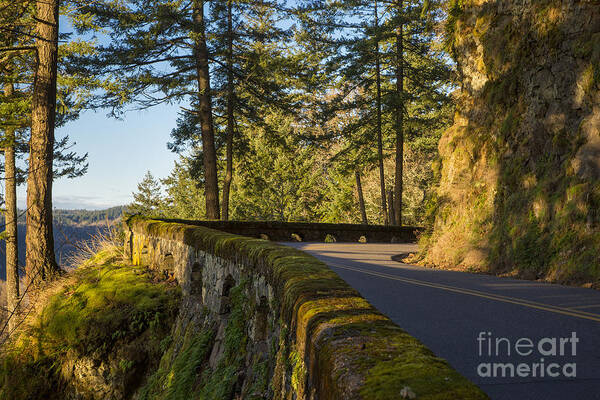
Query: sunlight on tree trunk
{"points": [[12, 259], [379, 133], [40, 259], [211, 184], [391, 201], [230, 122], [397, 216], [361, 199]]}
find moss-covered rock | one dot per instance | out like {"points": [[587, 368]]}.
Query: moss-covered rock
{"points": [[520, 184], [92, 335], [238, 368]]}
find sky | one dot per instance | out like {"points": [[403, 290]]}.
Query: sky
{"points": [[119, 154]]}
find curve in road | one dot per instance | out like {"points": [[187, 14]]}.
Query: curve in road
{"points": [[516, 339]]}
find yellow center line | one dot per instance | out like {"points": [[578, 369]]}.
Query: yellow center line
{"points": [[491, 296]]}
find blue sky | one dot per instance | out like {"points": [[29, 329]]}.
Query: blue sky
{"points": [[120, 153]]}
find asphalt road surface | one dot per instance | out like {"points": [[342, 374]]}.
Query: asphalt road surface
{"points": [[517, 340]]}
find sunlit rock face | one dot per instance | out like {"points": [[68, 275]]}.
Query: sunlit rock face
{"points": [[520, 167]]}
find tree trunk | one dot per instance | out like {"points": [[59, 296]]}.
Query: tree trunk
{"points": [[230, 122], [361, 199], [12, 255], [211, 184], [397, 219], [384, 212], [391, 201], [40, 259]]}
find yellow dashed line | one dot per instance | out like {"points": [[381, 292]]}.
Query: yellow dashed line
{"points": [[505, 299]]}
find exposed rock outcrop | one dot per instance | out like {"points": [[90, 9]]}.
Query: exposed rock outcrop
{"points": [[520, 170]]}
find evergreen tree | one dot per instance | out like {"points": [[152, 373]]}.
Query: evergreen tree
{"points": [[40, 259], [289, 187], [184, 197], [21, 106], [147, 200], [12, 114], [388, 72], [248, 70], [158, 53], [201, 53], [12, 255]]}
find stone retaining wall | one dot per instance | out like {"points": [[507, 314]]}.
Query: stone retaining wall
{"points": [[313, 335], [313, 232]]}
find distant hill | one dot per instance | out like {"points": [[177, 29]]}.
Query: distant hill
{"points": [[70, 228], [87, 217]]}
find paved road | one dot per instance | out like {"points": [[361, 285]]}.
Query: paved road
{"points": [[448, 311]]}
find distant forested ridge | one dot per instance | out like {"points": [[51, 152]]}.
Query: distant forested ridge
{"points": [[71, 227], [87, 217]]}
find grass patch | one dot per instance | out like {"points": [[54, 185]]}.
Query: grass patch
{"points": [[176, 378]]}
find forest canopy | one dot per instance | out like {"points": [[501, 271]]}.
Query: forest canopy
{"points": [[320, 111]]}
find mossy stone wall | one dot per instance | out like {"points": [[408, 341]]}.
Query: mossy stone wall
{"points": [[313, 232], [260, 320]]}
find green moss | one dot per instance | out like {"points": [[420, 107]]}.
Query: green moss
{"points": [[281, 360], [589, 78], [583, 47], [220, 383], [390, 360], [99, 310], [455, 11], [298, 371], [508, 125], [260, 384], [429, 378], [501, 92], [177, 379], [329, 239], [187, 374], [103, 305], [482, 25]]}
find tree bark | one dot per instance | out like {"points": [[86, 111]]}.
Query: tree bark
{"points": [[361, 199], [211, 184], [391, 201], [12, 256], [384, 212], [398, 181], [40, 259], [230, 121]]}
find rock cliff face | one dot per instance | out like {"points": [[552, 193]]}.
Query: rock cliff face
{"points": [[520, 167]]}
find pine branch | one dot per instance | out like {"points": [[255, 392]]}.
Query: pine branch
{"points": [[17, 48]]}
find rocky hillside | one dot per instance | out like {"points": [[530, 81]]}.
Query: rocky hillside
{"points": [[520, 167]]}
